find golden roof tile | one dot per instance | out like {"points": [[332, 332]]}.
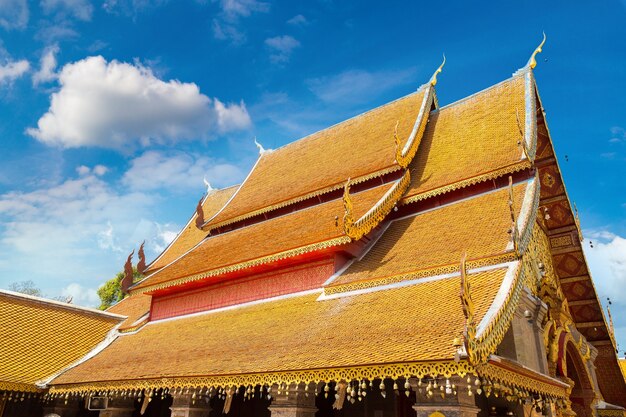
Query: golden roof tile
{"points": [[322, 161], [190, 236], [296, 333], [40, 337], [133, 307], [434, 241], [471, 141], [301, 231]]}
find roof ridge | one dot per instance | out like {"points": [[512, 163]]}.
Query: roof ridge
{"points": [[59, 304]]}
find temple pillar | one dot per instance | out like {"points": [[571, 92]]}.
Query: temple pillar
{"points": [[62, 408], [294, 401], [184, 405], [452, 405], [119, 407]]}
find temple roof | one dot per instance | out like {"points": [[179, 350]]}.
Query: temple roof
{"points": [[190, 236], [135, 308], [298, 232], [40, 337], [324, 160], [435, 240], [298, 332], [472, 140]]}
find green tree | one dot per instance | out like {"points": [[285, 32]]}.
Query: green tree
{"points": [[110, 292]]}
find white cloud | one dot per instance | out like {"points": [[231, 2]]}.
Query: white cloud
{"points": [[281, 47], [226, 26], [130, 8], [234, 9], [75, 232], [607, 262], [618, 134], [178, 172], [298, 20], [358, 85], [47, 66], [14, 14], [80, 9], [607, 259], [115, 105], [13, 70], [81, 295]]}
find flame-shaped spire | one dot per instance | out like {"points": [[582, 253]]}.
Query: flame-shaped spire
{"points": [[532, 63], [433, 79]]}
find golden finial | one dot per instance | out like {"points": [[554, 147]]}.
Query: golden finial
{"points": [[532, 63], [433, 79]]}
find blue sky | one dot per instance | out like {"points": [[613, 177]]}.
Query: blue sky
{"points": [[113, 112]]}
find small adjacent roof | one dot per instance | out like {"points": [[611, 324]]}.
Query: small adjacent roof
{"points": [[190, 236], [360, 148], [473, 140], [134, 307], [436, 240], [305, 230], [295, 333], [40, 337]]}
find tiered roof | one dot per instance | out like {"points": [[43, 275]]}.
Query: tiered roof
{"points": [[429, 187], [44, 337]]}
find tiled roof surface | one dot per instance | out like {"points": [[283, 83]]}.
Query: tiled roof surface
{"points": [[439, 237], [297, 333], [301, 228], [473, 137], [622, 364], [133, 307], [38, 338], [191, 235], [355, 148]]}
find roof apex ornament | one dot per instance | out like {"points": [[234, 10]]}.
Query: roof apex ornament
{"points": [[127, 281], [199, 215], [262, 150], [532, 63], [209, 189], [141, 265], [433, 79]]}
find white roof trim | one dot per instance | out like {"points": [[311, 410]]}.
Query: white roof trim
{"points": [[505, 287], [54, 303]]}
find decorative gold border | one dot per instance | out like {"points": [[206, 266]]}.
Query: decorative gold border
{"points": [[530, 383], [209, 227], [368, 221], [405, 155], [248, 264], [516, 167], [445, 369], [439, 270], [18, 387]]}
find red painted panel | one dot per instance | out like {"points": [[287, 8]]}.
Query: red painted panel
{"points": [[256, 287]]}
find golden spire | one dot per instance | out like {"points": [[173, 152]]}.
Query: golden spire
{"points": [[532, 63], [433, 79]]}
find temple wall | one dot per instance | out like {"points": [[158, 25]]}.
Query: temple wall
{"points": [[267, 285]]}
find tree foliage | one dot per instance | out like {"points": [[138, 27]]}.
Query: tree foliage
{"points": [[26, 287], [110, 292]]}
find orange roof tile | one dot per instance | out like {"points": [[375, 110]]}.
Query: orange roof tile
{"points": [[190, 236], [325, 159], [434, 241], [471, 140], [134, 307], [315, 225], [40, 337], [372, 328]]}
